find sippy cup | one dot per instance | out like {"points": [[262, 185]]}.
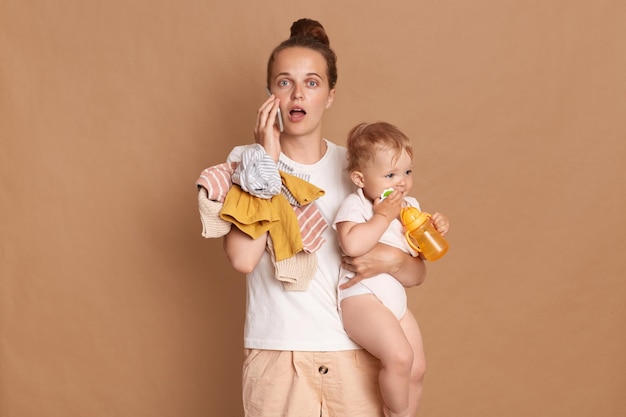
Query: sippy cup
{"points": [[422, 235]]}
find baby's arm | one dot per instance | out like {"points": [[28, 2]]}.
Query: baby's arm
{"points": [[357, 239], [441, 223]]}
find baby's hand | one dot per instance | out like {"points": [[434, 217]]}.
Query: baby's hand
{"points": [[441, 223], [389, 207]]}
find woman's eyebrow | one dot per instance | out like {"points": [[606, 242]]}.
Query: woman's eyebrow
{"points": [[287, 74]]}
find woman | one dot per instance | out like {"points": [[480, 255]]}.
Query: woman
{"points": [[299, 360]]}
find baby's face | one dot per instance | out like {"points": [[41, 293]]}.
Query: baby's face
{"points": [[387, 170]]}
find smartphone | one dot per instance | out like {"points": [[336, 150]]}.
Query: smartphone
{"points": [[279, 115]]}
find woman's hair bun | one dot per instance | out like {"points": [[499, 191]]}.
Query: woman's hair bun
{"points": [[308, 28], [310, 34]]}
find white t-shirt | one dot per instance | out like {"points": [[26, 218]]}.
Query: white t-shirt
{"points": [[302, 320]]}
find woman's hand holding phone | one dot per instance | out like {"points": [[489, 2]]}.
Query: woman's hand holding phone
{"points": [[279, 115], [266, 132]]}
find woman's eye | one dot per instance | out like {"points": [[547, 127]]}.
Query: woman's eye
{"points": [[312, 83], [283, 83]]}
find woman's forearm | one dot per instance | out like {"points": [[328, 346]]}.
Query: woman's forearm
{"points": [[410, 271], [243, 252]]}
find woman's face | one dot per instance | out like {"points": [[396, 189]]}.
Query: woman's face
{"points": [[299, 79]]}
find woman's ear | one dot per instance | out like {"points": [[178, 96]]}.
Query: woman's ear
{"points": [[331, 98], [357, 179]]}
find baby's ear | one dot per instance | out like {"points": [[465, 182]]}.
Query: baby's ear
{"points": [[357, 179]]}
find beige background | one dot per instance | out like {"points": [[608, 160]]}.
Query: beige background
{"points": [[112, 304]]}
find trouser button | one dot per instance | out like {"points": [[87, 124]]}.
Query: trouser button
{"points": [[323, 370]]}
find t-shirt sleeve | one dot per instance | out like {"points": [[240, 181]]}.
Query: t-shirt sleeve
{"points": [[350, 210]]}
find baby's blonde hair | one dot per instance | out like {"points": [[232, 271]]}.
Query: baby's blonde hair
{"points": [[366, 139]]}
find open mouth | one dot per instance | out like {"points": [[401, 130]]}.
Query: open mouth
{"points": [[297, 113]]}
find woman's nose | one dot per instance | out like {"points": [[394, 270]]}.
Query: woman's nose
{"points": [[296, 94]]}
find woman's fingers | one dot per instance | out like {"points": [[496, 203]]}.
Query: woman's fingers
{"points": [[265, 131]]}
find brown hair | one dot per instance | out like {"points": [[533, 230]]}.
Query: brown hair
{"points": [[366, 139], [308, 33]]}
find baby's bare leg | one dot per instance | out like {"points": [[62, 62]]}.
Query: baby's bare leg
{"points": [[374, 327], [414, 336]]}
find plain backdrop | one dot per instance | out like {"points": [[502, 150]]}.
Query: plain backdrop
{"points": [[111, 302]]}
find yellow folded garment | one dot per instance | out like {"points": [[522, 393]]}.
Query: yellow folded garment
{"points": [[303, 191], [254, 216]]}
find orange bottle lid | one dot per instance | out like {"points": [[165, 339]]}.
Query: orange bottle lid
{"points": [[412, 218]]}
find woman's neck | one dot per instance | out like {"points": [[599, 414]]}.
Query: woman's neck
{"points": [[303, 150]]}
